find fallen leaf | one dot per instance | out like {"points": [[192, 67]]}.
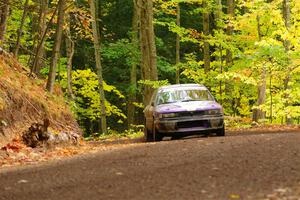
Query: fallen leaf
{"points": [[234, 196]]}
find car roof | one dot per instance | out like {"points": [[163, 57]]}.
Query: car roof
{"points": [[182, 86]]}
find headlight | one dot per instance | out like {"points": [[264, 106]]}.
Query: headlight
{"points": [[214, 112], [168, 115]]}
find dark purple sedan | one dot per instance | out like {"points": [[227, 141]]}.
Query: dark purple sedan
{"points": [[182, 110]]}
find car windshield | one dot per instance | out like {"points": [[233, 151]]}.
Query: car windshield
{"points": [[173, 96]]}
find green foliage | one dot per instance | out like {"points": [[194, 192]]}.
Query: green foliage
{"points": [[235, 85], [62, 68], [23, 59], [14, 24], [154, 84], [121, 50], [135, 132], [87, 102]]}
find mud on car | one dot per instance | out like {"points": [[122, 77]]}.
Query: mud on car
{"points": [[182, 110]]}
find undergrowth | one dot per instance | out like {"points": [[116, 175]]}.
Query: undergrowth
{"points": [[135, 131]]}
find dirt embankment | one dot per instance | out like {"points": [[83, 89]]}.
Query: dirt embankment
{"points": [[24, 101]]}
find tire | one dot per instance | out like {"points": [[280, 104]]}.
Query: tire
{"points": [[221, 131], [158, 136], [175, 137]]}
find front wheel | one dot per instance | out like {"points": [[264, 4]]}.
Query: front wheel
{"points": [[158, 136], [221, 131]]}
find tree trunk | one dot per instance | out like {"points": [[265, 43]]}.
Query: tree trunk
{"points": [[70, 53], [20, 30], [98, 65], [218, 13], [230, 12], [4, 11], [152, 46], [42, 31], [258, 113], [34, 32], [98, 17], [148, 48], [133, 74], [206, 51], [56, 49], [287, 19], [271, 99], [177, 44], [219, 48]]}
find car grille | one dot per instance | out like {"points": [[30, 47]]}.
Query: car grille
{"points": [[191, 124], [195, 113]]}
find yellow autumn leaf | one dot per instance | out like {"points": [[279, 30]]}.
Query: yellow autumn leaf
{"points": [[234, 196]]}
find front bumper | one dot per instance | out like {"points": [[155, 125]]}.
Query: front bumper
{"points": [[195, 124]]}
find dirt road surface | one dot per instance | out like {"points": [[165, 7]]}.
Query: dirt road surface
{"points": [[262, 166]]}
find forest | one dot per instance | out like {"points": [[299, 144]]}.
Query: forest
{"points": [[109, 55]]}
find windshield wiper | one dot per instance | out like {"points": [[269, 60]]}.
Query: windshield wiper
{"points": [[169, 102], [187, 100]]}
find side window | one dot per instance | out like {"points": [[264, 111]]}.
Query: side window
{"points": [[160, 99], [210, 96], [163, 97]]}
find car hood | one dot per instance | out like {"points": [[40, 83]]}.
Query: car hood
{"points": [[187, 106]]}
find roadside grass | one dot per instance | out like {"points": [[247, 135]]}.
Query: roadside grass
{"points": [[240, 124], [134, 132], [237, 122]]}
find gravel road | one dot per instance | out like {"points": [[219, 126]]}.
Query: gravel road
{"points": [[262, 166]]}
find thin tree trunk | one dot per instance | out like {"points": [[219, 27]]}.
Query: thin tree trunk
{"points": [[219, 48], [218, 13], [259, 34], [148, 49], [42, 31], [34, 32], [271, 98], [3, 19], [57, 44], [287, 19], [70, 53], [177, 44], [230, 12], [145, 54], [258, 113], [206, 51], [98, 17], [98, 65], [152, 46], [221, 71], [20, 30], [133, 74]]}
